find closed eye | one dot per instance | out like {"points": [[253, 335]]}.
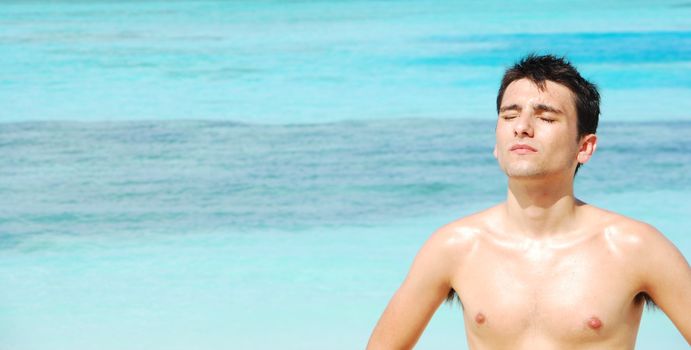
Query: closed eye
{"points": [[548, 120]]}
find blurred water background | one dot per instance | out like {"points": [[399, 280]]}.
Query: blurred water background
{"points": [[260, 174]]}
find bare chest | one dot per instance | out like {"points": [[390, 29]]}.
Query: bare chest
{"points": [[572, 297]]}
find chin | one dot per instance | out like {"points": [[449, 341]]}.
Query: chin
{"points": [[526, 174], [524, 170]]}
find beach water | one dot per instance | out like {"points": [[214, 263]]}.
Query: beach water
{"points": [[253, 175]]}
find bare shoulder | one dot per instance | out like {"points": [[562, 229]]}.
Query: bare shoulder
{"points": [[461, 235], [632, 238]]}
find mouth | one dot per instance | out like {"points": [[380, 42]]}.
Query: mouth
{"points": [[522, 149]]}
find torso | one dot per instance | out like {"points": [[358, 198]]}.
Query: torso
{"points": [[578, 292]]}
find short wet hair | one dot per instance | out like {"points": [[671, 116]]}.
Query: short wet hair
{"points": [[540, 68]]}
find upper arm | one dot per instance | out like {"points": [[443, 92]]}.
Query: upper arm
{"points": [[423, 290], [667, 279]]}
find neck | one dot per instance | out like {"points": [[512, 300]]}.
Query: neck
{"points": [[541, 207]]}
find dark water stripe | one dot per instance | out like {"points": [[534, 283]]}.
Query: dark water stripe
{"points": [[180, 176]]}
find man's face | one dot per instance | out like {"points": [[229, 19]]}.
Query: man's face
{"points": [[537, 130]]}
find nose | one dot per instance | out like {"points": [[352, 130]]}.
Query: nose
{"points": [[523, 127]]}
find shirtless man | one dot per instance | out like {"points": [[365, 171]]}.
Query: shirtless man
{"points": [[542, 270]]}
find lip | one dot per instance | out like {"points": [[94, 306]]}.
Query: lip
{"points": [[522, 148]]}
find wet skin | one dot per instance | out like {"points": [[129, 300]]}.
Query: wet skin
{"points": [[542, 270], [573, 291]]}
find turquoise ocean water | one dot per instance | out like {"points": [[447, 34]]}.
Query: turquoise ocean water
{"points": [[252, 175]]}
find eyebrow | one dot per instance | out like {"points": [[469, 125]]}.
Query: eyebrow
{"points": [[513, 107], [546, 108], [540, 107]]}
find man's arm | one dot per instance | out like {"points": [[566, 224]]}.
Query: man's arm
{"points": [[413, 305], [667, 278]]}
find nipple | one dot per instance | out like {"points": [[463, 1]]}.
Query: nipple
{"points": [[479, 318], [594, 323]]}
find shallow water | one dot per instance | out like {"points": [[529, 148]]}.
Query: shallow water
{"points": [[242, 175], [319, 61], [125, 233]]}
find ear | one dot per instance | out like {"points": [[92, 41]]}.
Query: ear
{"points": [[586, 148], [495, 151]]}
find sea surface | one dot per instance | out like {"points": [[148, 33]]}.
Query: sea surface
{"points": [[260, 174]]}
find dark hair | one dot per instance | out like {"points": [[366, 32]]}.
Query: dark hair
{"points": [[640, 298], [452, 296], [539, 69]]}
